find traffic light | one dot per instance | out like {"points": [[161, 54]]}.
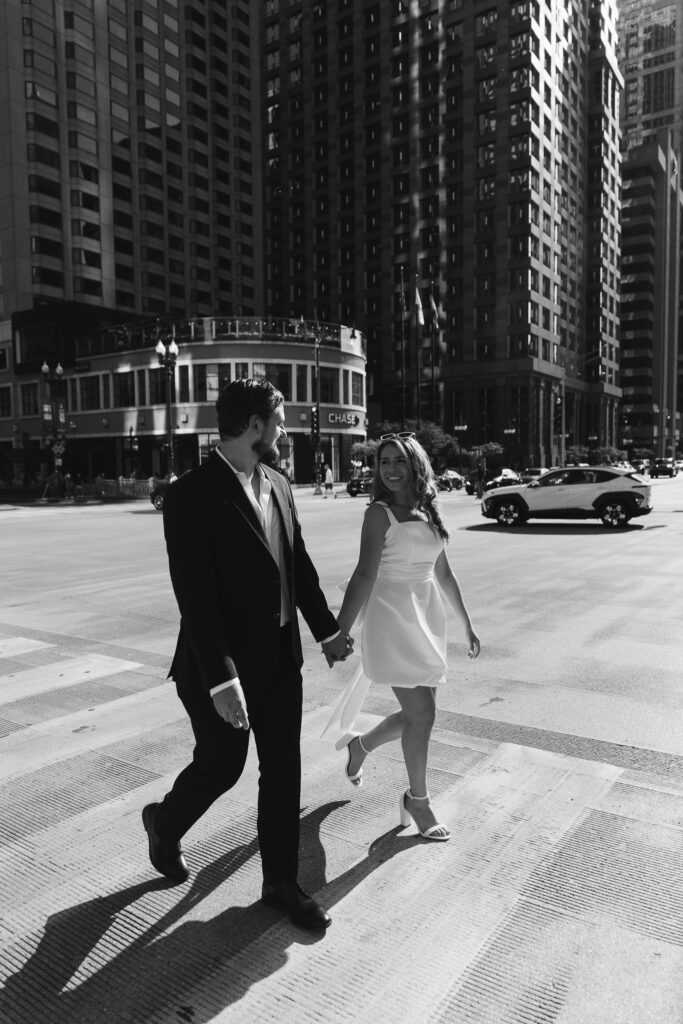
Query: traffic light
{"points": [[315, 423]]}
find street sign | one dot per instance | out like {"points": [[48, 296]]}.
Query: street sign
{"points": [[58, 448]]}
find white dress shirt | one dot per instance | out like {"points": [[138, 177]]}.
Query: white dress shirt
{"points": [[270, 521]]}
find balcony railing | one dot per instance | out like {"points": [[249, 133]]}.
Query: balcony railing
{"points": [[114, 338]]}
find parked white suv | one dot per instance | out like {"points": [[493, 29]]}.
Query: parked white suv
{"points": [[577, 492]]}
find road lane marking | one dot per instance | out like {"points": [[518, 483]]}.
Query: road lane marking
{"points": [[59, 674], [10, 646]]}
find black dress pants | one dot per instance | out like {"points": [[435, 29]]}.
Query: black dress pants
{"points": [[219, 757]]}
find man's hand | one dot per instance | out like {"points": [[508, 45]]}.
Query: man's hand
{"points": [[231, 706], [338, 649]]}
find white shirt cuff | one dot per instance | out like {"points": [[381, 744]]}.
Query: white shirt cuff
{"points": [[224, 686], [333, 637]]}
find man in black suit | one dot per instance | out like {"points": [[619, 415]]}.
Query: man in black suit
{"points": [[240, 570]]}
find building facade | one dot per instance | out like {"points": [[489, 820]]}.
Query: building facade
{"points": [[651, 55], [651, 235], [469, 154], [651, 49], [130, 172], [112, 412]]}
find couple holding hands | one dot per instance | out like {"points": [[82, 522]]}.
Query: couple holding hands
{"points": [[240, 571]]}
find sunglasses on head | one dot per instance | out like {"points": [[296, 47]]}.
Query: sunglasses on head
{"points": [[403, 435]]}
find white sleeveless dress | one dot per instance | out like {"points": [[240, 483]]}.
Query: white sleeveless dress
{"points": [[403, 634]]}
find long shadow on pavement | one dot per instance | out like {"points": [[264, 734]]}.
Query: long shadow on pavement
{"points": [[148, 970]]}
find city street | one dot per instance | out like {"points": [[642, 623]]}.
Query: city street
{"points": [[557, 761]]}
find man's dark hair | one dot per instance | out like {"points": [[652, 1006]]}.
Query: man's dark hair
{"points": [[241, 399]]}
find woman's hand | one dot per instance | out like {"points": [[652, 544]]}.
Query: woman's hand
{"points": [[475, 646]]}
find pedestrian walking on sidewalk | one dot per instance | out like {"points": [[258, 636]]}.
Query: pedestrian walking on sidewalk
{"points": [[329, 481], [240, 570], [398, 585]]}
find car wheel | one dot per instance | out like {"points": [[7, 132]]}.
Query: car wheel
{"points": [[509, 513], [458, 485], [615, 514], [158, 502]]}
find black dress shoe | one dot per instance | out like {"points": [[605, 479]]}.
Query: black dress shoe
{"points": [[165, 854], [302, 909]]}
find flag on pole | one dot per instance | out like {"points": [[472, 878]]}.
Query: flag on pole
{"points": [[419, 314], [433, 312]]}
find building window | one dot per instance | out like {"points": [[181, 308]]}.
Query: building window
{"points": [[90, 393], [279, 375], [29, 399], [302, 383], [5, 402], [124, 389], [357, 389], [183, 384], [329, 384], [209, 378], [157, 386]]}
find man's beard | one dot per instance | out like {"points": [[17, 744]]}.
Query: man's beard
{"points": [[269, 454]]}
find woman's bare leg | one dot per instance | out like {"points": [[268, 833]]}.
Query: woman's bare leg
{"points": [[390, 728], [419, 711]]}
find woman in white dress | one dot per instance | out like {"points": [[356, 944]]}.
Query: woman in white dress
{"points": [[398, 583]]}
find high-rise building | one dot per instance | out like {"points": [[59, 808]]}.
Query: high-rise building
{"points": [[651, 55], [651, 237], [468, 154], [130, 170], [651, 52]]}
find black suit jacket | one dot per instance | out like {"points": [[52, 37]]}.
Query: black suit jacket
{"points": [[227, 582]]}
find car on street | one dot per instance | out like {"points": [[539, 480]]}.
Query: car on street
{"points": [[612, 495], [532, 473], [492, 478], [449, 480], [506, 478], [664, 467], [360, 484], [158, 493]]}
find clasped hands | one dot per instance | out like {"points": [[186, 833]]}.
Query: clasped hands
{"points": [[231, 705], [338, 649]]}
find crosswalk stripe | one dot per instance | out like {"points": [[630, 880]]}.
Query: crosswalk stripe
{"points": [[69, 735], [32, 681], [10, 646]]}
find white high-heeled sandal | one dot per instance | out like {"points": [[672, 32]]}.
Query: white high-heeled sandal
{"points": [[345, 741], [406, 818]]}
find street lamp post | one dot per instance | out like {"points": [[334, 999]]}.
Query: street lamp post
{"points": [[54, 412], [316, 440], [167, 351], [559, 394]]}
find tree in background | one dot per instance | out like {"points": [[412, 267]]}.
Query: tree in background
{"points": [[576, 454]]}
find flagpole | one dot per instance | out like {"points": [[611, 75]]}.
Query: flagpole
{"points": [[403, 353], [418, 308]]}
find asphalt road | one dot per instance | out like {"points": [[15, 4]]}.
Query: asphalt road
{"points": [[580, 626], [557, 760]]}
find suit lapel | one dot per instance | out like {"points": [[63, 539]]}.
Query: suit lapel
{"points": [[281, 506], [231, 491]]}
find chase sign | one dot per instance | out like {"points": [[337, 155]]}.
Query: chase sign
{"points": [[343, 419]]}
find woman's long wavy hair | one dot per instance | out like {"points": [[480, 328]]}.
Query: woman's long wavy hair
{"points": [[425, 491]]}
